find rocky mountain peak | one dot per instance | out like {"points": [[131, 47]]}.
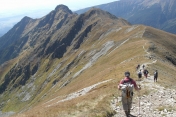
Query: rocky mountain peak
{"points": [[26, 19], [63, 8], [96, 11]]}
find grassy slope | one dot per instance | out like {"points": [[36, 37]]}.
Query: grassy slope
{"points": [[112, 66]]}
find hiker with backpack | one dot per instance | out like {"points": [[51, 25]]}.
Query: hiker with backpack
{"points": [[155, 76], [126, 85], [138, 66], [145, 73], [140, 74]]}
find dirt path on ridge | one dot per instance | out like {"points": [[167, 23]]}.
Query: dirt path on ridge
{"points": [[159, 102]]}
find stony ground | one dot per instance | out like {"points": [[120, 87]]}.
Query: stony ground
{"points": [[158, 102]]}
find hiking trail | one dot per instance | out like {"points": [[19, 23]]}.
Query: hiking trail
{"points": [[158, 101]]}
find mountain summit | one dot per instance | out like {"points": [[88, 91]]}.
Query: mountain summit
{"points": [[63, 8]]}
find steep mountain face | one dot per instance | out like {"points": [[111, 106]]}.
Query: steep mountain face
{"points": [[28, 32], [12, 38], [69, 65], [33, 45], [160, 14]]}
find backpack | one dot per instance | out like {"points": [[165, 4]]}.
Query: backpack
{"points": [[156, 74], [145, 72], [139, 74], [127, 89]]}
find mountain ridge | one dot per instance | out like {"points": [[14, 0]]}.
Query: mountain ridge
{"points": [[62, 53]]}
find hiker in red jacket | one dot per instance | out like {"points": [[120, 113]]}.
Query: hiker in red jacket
{"points": [[127, 101]]}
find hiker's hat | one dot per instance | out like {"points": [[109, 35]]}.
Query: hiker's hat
{"points": [[127, 73]]}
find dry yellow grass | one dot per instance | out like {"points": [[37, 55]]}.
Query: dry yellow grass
{"points": [[110, 66]]}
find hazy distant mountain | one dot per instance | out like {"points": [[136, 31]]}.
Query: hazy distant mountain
{"points": [[4, 30], [45, 61], [160, 14]]}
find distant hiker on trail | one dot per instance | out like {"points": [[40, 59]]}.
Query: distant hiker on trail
{"points": [[145, 73], [143, 66], [155, 76], [140, 74], [126, 85], [138, 66]]}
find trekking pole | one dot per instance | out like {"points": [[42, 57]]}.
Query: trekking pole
{"points": [[139, 100], [139, 104]]}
